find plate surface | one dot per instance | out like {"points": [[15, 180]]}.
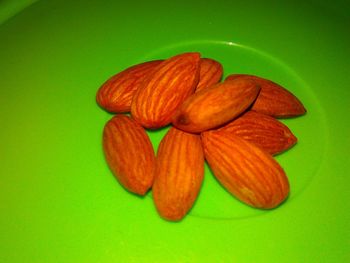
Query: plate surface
{"points": [[59, 201]]}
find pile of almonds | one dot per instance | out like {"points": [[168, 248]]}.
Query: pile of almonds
{"points": [[231, 124]]}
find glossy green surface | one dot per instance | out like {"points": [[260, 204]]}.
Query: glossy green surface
{"points": [[60, 203]]}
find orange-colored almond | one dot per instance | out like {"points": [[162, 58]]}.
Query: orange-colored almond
{"points": [[129, 153], [216, 105], [210, 73], [115, 95], [262, 130], [273, 99], [245, 170], [179, 174], [169, 85]]}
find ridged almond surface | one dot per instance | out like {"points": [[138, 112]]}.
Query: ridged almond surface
{"points": [[214, 106], [210, 73], [169, 85], [116, 94], [262, 130], [245, 170], [273, 99], [179, 174], [129, 153]]}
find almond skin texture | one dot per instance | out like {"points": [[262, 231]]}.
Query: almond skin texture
{"points": [[179, 174], [216, 105], [273, 99], [116, 94], [129, 154], [262, 130], [210, 73], [245, 170], [176, 78]]}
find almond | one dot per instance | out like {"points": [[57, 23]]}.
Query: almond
{"points": [[262, 130], [179, 174], [273, 99], [245, 170], [116, 93], [176, 78], [129, 153], [210, 73], [216, 105]]}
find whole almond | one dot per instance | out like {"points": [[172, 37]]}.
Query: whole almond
{"points": [[262, 130], [176, 78], [245, 170], [129, 154], [115, 95], [210, 73], [214, 106], [179, 174], [273, 99]]}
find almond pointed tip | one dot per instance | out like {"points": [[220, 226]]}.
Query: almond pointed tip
{"points": [[194, 55]]}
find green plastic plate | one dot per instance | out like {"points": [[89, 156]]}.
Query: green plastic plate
{"points": [[59, 201]]}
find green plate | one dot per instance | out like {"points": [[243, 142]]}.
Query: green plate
{"points": [[59, 201]]}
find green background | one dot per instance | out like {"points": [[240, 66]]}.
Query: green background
{"points": [[59, 201]]}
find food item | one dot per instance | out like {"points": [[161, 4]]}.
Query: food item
{"points": [[129, 153], [214, 106], [262, 130], [210, 73], [273, 99], [179, 174], [230, 124], [246, 171], [173, 80], [116, 93]]}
